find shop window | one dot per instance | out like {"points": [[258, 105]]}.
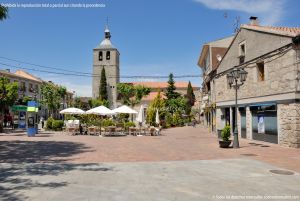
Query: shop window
{"points": [[260, 71]]}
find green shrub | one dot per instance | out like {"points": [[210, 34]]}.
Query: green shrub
{"points": [[49, 123], [123, 117], [177, 120], [169, 120], [107, 122], [57, 125], [225, 134], [129, 124]]}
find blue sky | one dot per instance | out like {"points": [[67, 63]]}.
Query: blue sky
{"points": [[154, 37]]}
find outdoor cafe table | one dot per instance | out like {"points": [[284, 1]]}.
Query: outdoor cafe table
{"points": [[111, 129], [133, 130]]}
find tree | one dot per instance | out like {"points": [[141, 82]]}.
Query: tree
{"points": [[157, 104], [8, 96], [125, 91], [62, 92], [51, 97], [3, 12], [171, 89], [132, 95], [77, 102], [190, 99], [103, 86], [97, 102]]}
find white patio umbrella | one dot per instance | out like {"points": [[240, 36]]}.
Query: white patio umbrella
{"points": [[157, 118], [72, 110], [140, 118], [102, 111], [124, 109]]}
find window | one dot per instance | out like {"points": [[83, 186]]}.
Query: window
{"points": [[30, 87], [36, 88], [242, 52], [260, 71], [108, 55], [100, 56], [23, 87]]}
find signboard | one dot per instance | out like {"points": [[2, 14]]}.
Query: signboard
{"points": [[261, 123], [19, 108]]}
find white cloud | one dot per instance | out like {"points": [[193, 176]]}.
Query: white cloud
{"points": [[269, 11]]}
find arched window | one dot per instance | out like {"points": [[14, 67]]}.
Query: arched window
{"points": [[100, 56], [108, 55]]}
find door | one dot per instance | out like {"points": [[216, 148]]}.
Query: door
{"points": [[243, 124]]}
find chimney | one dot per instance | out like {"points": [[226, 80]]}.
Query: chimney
{"points": [[254, 20]]}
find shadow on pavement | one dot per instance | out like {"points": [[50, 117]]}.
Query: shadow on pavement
{"points": [[17, 178], [39, 151], [22, 162]]}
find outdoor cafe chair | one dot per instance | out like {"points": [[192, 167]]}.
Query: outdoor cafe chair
{"points": [[133, 131], [152, 130], [92, 130], [72, 130]]}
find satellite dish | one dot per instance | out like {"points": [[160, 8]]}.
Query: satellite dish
{"points": [[219, 57]]}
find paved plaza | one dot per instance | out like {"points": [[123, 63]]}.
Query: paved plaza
{"points": [[181, 164]]}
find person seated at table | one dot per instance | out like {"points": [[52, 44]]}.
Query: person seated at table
{"points": [[80, 129]]}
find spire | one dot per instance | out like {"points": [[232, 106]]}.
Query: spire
{"points": [[106, 31]]}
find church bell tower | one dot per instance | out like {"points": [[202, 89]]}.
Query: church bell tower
{"points": [[105, 55]]}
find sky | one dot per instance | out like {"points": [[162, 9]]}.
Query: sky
{"points": [[154, 37]]}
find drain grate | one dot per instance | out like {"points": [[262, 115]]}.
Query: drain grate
{"points": [[282, 172], [248, 154]]}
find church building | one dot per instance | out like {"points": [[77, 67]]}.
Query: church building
{"points": [[106, 56]]}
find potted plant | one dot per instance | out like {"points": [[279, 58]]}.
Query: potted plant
{"points": [[225, 134]]}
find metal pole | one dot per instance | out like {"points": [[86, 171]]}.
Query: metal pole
{"points": [[235, 132]]}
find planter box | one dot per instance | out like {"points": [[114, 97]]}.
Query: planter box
{"points": [[224, 144]]}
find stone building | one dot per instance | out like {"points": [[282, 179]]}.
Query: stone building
{"points": [[29, 86], [106, 56], [269, 100], [210, 56]]}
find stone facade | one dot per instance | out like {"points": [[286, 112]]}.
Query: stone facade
{"points": [[110, 61], [208, 61], [289, 124], [279, 86]]}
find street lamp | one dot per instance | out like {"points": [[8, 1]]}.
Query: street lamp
{"points": [[235, 79]]}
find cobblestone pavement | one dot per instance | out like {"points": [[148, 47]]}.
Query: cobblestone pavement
{"points": [[182, 164], [176, 144]]}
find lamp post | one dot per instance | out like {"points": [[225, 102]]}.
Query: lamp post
{"points": [[235, 79]]}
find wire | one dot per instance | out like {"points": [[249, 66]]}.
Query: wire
{"points": [[96, 75], [41, 66]]}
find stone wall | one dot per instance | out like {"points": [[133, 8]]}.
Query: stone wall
{"points": [[289, 124], [280, 78], [112, 73]]}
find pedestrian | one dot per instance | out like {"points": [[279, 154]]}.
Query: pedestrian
{"points": [[42, 121], [194, 122], [5, 120], [10, 121]]}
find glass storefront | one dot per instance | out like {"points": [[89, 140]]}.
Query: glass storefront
{"points": [[243, 122], [264, 123]]}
